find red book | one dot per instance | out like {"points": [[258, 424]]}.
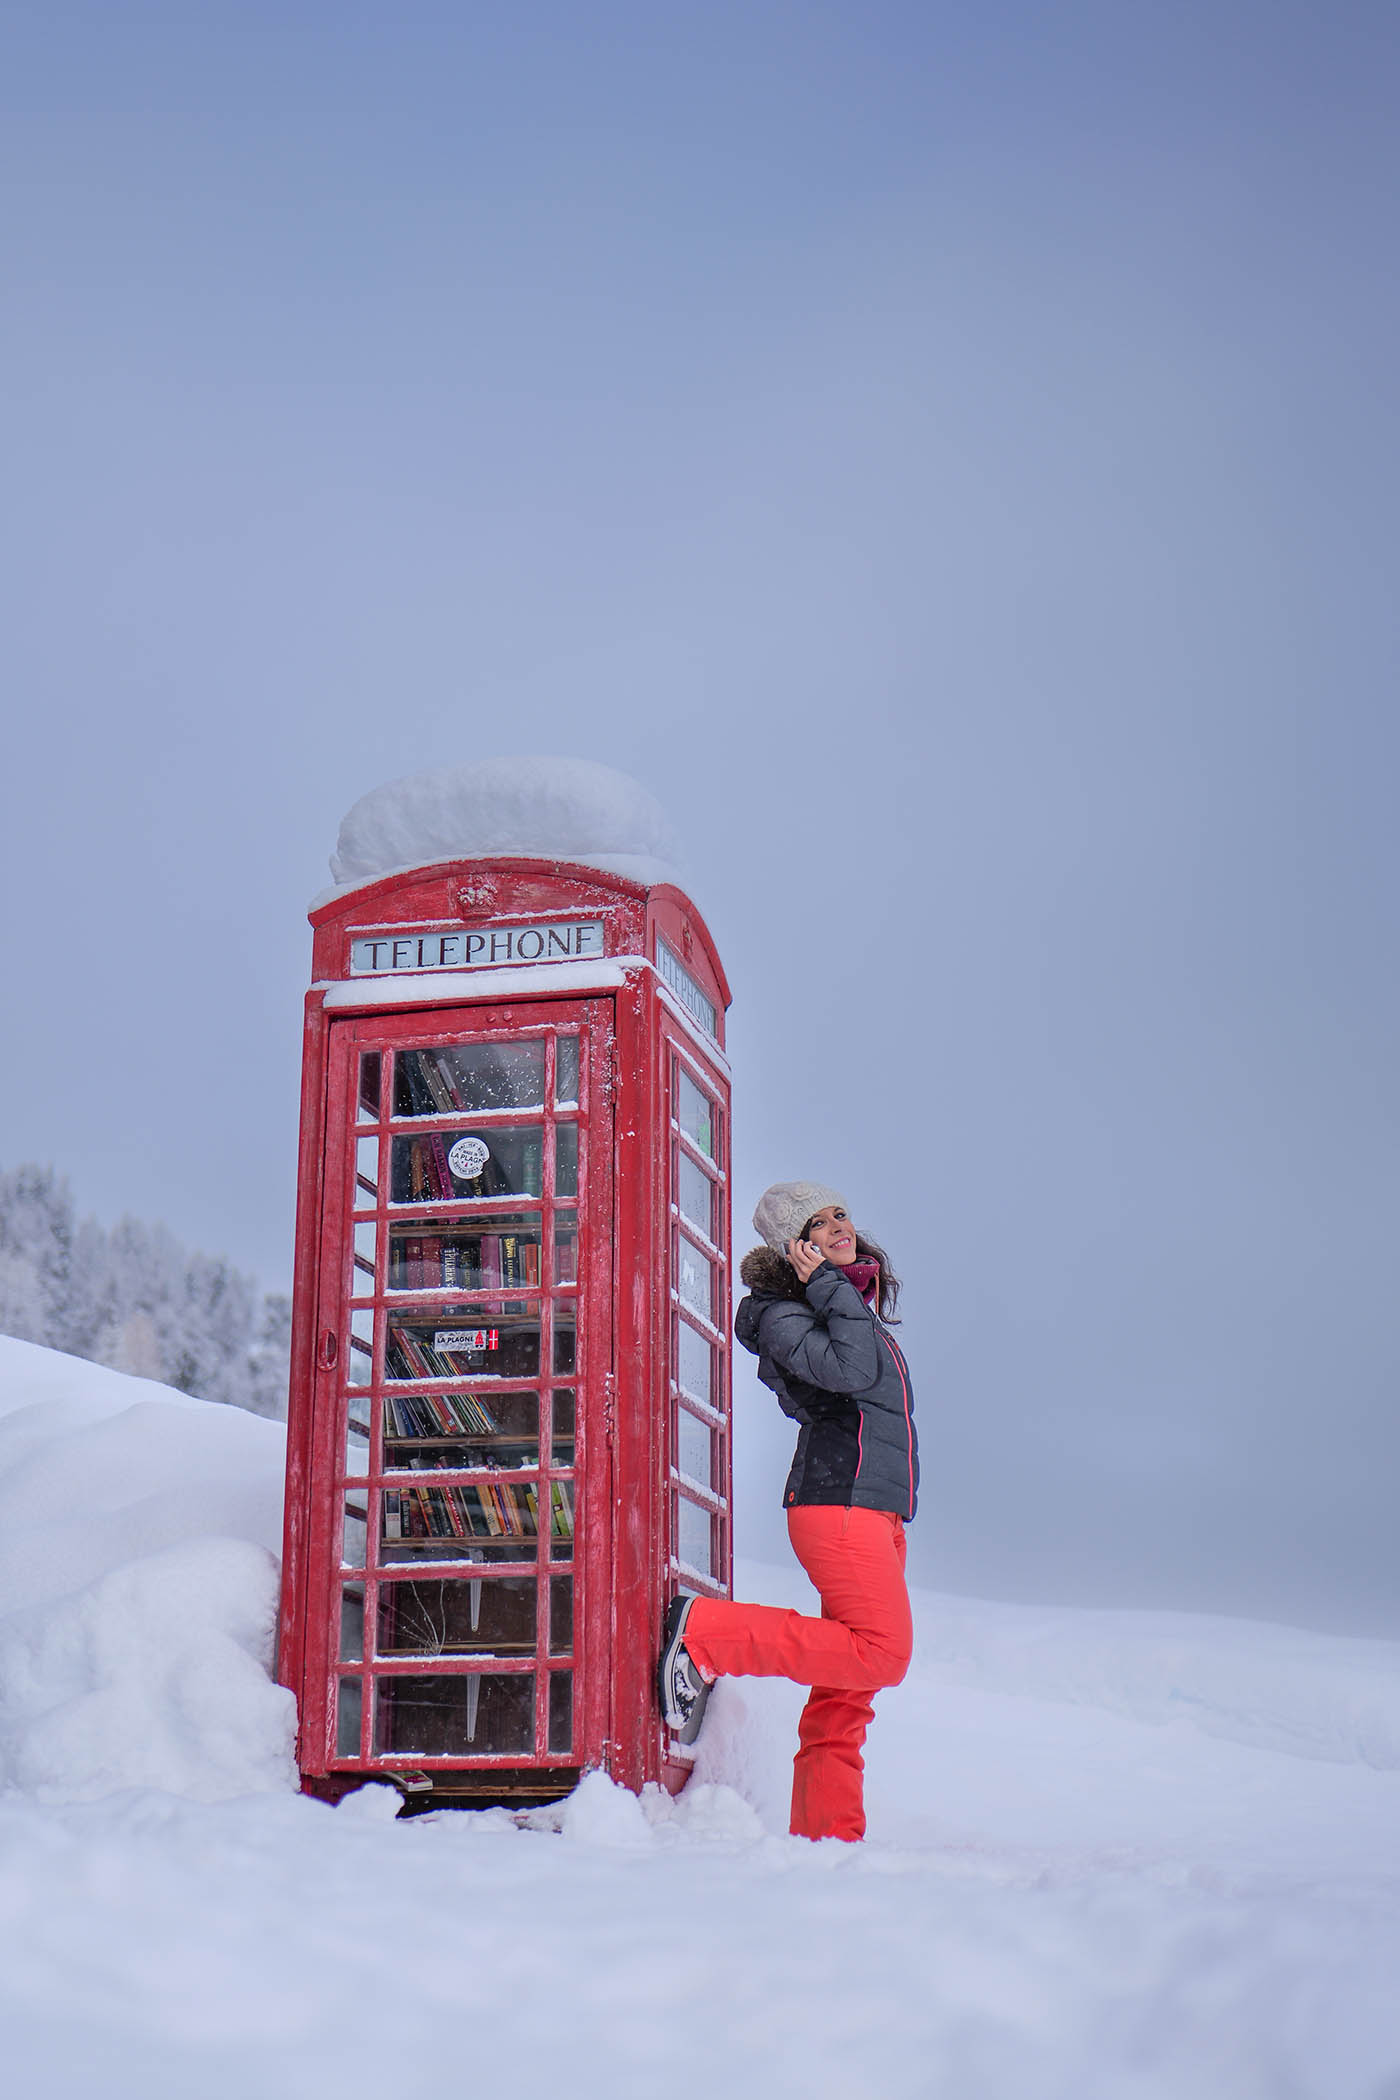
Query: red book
{"points": [[437, 1145]]}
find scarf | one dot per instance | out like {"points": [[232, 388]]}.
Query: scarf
{"points": [[865, 1275]]}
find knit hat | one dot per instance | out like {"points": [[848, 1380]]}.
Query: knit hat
{"points": [[784, 1209]]}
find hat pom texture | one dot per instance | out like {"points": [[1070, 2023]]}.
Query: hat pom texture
{"points": [[784, 1209]]}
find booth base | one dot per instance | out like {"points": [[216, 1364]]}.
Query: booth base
{"points": [[423, 1790]]}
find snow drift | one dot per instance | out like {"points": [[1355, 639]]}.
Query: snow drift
{"points": [[138, 1537]]}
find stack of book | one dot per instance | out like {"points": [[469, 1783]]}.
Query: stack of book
{"points": [[488, 1511], [422, 1173], [438, 1414], [488, 1261], [435, 1084], [409, 1355]]}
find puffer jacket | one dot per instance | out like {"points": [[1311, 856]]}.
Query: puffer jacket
{"points": [[837, 1371]]}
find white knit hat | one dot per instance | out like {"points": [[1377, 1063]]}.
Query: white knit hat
{"points": [[784, 1209]]}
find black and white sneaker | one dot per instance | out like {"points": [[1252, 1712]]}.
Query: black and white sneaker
{"points": [[679, 1685]]}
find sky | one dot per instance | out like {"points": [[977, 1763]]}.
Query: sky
{"points": [[949, 457]]}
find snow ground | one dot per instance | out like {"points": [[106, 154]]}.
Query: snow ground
{"points": [[1112, 1856]]}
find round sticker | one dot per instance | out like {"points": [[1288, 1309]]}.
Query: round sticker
{"points": [[467, 1158]]}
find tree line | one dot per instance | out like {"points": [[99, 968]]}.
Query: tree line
{"points": [[130, 1296]]}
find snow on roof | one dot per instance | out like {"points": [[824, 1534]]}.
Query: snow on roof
{"points": [[551, 808]]}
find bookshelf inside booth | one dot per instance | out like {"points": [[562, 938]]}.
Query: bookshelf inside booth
{"points": [[469, 1161]]}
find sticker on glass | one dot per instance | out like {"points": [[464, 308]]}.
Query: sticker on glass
{"points": [[450, 1338], [467, 1158]]}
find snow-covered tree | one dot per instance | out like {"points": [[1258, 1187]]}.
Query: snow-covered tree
{"points": [[36, 1252], [133, 1298]]}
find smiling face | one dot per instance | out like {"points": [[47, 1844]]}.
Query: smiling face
{"points": [[833, 1232]]}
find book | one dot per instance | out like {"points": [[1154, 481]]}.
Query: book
{"points": [[561, 1496], [452, 1080], [419, 1100], [437, 1146], [435, 1083]]}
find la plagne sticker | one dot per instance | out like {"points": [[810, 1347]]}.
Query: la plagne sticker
{"points": [[450, 1338], [467, 1158]]}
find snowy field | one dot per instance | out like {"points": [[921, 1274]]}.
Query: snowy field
{"points": [[1112, 1856]]}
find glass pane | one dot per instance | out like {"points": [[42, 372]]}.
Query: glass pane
{"points": [[352, 1625], [566, 1071], [463, 1076], [496, 1617], [354, 1532], [356, 1442], [565, 1349], [361, 1347], [347, 1718], [461, 1430], [561, 1614], [693, 1540], [366, 1171], [366, 1247], [494, 1521], [694, 1113], [368, 1111], [566, 1159], [460, 1341], [695, 1278], [448, 1163], [693, 1193], [694, 1358], [467, 1254], [565, 1251], [563, 1451], [453, 1716], [693, 1452], [561, 1712]]}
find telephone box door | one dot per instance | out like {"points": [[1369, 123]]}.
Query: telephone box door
{"points": [[460, 1440]]}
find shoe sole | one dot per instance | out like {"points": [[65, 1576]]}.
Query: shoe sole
{"points": [[687, 1735], [672, 1632]]}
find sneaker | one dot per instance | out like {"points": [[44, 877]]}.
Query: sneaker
{"points": [[679, 1685]]}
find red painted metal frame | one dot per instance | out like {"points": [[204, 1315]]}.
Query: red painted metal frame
{"points": [[351, 1038], [625, 1403]]}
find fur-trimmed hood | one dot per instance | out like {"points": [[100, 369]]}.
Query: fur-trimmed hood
{"points": [[765, 1270]]}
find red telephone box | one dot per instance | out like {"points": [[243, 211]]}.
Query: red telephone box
{"points": [[508, 1434]]}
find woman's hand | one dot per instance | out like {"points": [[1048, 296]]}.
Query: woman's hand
{"points": [[805, 1258]]}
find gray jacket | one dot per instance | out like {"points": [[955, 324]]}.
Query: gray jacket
{"points": [[838, 1371]]}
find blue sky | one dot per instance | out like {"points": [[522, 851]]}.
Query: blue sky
{"points": [[949, 456]]}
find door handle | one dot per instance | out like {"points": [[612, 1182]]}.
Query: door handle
{"points": [[326, 1355]]}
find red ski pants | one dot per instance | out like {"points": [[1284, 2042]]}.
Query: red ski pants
{"points": [[863, 1640]]}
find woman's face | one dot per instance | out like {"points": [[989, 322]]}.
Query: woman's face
{"points": [[833, 1232]]}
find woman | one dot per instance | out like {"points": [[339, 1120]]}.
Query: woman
{"points": [[820, 1298]]}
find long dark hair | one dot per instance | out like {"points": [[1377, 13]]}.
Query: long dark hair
{"points": [[871, 1250]]}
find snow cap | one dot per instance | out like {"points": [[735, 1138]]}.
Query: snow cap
{"points": [[550, 808], [784, 1209]]}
